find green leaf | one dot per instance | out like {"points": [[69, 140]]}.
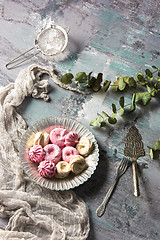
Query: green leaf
{"points": [[154, 67], [89, 76], [94, 123], [112, 120], [121, 111], [81, 77], [133, 104], [149, 74], [106, 85], [126, 79], [121, 101], [157, 145], [67, 78], [157, 79], [149, 89], [114, 108], [122, 83], [115, 86], [151, 153], [96, 83], [132, 82], [141, 79], [105, 114], [97, 121], [145, 97]]}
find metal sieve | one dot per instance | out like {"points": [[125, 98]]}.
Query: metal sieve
{"points": [[50, 42]]}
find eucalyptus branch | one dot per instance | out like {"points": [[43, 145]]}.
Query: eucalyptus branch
{"points": [[151, 84]]}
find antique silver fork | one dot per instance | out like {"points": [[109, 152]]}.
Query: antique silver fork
{"points": [[120, 171]]}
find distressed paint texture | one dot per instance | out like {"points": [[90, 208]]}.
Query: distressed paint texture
{"points": [[116, 38]]}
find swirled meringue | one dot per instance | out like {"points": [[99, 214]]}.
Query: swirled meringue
{"points": [[36, 153], [63, 169], [71, 139], [77, 164], [84, 146], [68, 153], [57, 136], [47, 169], [53, 153]]}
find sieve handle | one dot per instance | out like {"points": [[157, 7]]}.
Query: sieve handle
{"points": [[16, 61], [67, 29]]}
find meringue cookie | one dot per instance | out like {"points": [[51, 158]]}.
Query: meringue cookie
{"points": [[47, 169], [53, 153], [41, 139], [71, 139], [68, 153], [84, 146], [77, 164], [57, 136], [63, 169], [36, 153], [30, 141]]}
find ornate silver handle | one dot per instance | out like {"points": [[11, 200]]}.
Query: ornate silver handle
{"points": [[100, 210]]}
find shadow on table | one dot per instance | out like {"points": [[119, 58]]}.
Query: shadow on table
{"points": [[89, 190]]}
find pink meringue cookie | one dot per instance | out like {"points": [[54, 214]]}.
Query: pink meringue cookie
{"points": [[57, 136], [53, 153], [71, 139], [36, 153], [68, 153], [47, 169]]}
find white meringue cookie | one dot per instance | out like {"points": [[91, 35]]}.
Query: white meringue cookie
{"points": [[77, 164], [30, 141], [37, 138], [45, 139], [84, 146], [63, 169], [41, 139]]}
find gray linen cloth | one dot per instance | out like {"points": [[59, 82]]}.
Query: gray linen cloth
{"points": [[33, 212]]}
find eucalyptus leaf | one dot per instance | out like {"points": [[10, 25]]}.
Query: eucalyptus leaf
{"points": [[114, 108], [106, 85], [154, 67], [105, 114], [126, 79], [149, 74], [121, 101], [157, 145], [132, 82], [121, 111], [145, 97], [122, 83], [94, 123], [81, 77], [98, 121], [149, 89], [67, 78], [115, 86], [151, 153], [89, 76], [141, 79], [96, 83], [112, 120], [133, 104]]}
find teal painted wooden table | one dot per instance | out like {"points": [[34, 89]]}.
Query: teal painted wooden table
{"points": [[118, 38]]}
